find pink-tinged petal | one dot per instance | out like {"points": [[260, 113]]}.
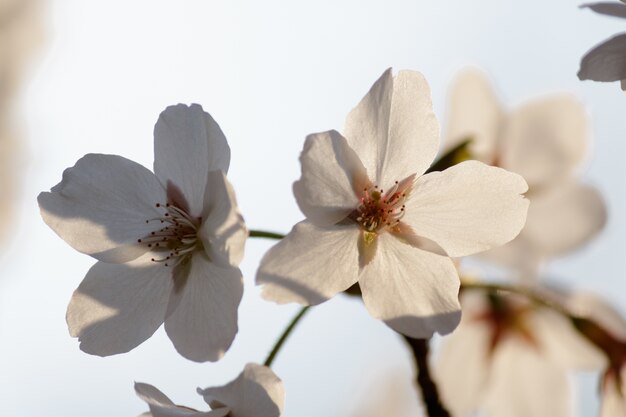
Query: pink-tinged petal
{"points": [[607, 8], [161, 406], [468, 208], [393, 129], [413, 291], [564, 217], [605, 61], [223, 231], [545, 140], [188, 144], [117, 307], [463, 363], [474, 112], [311, 264], [101, 205], [614, 399], [333, 178], [202, 312], [256, 392], [525, 382]]}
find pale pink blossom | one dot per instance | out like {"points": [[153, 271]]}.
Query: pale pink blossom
{"points": [[168, 243]]}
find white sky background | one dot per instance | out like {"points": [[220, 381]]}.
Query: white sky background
{"points": [[269, 72]]}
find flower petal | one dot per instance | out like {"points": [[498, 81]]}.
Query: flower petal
{"points": [[333, 178], [256, 392], [394, 129], [614, 399], [118, 307], [188, 144], [202, 312], [564, 217], [607, 8], [474, 112], [161, 406], [101, 205], [605, 61], [519, 255], [468, 208], [415, 292], [223, 231], [593, 307], [310, 265], [545, 140]]}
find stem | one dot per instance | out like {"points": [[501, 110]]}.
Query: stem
{"points": [[430, 395], [264, 234], [283, 337]]}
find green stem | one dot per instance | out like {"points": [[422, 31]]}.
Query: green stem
{"points": [[264, 234], [283, 337]]}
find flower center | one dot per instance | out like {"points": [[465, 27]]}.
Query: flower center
{"points": [[379, 209], [177, 237]]}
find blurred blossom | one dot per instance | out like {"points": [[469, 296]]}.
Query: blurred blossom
{"points": [[256, 392], [607, 60], [510, 358], [168, 243], [545, 141], [372, 217], [391, 395]]}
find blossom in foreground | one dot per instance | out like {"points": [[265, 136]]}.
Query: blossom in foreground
{"points": [[607, 60], [545, 141], [167, 243], [372, 217], [256, 392], [510, 358]]}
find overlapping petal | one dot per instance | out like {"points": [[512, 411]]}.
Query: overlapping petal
{"points": [[118, 306], [288, 274], [202, 312], [605, 61], [608, 8], [256, 392], [468, 208], [101, 205], [413, 291], [614, 398], [393, 129], [161, 406], [333, 177], [188, 144]]}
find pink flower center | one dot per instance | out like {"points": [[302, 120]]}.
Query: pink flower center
{"points": [[177, 236], [379, 209]]}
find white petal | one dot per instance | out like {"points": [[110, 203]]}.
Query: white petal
{"points": [[393, 129], [519, 255], [463, 364], [613, 400], [475, 113], [188, 144], [161, 406], [609, 9], [415, 292], [605, 61], [588, 305], [333, 178], [202, 315], [563, 217], [525, 382], [101, 205], [545, 140], [223, 231], [468, 208], [117, 307], [256, 392], [310, 265]]}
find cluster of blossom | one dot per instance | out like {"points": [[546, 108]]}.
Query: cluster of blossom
{"points": [[381, 220]]}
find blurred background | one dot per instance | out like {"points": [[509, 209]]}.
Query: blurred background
{"points": [[78, 77]]}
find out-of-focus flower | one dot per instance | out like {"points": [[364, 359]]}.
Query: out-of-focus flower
{"points": [[390, 395], [371, 217], [603, 326], [545, 141], [256, 392], [510, 358], [167, 243], [607, 60]]}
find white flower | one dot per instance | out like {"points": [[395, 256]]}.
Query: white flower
{"points": [[607, 60], [167, 243], [256, 392], [545, 141], [370, 215], [510, 358]]}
